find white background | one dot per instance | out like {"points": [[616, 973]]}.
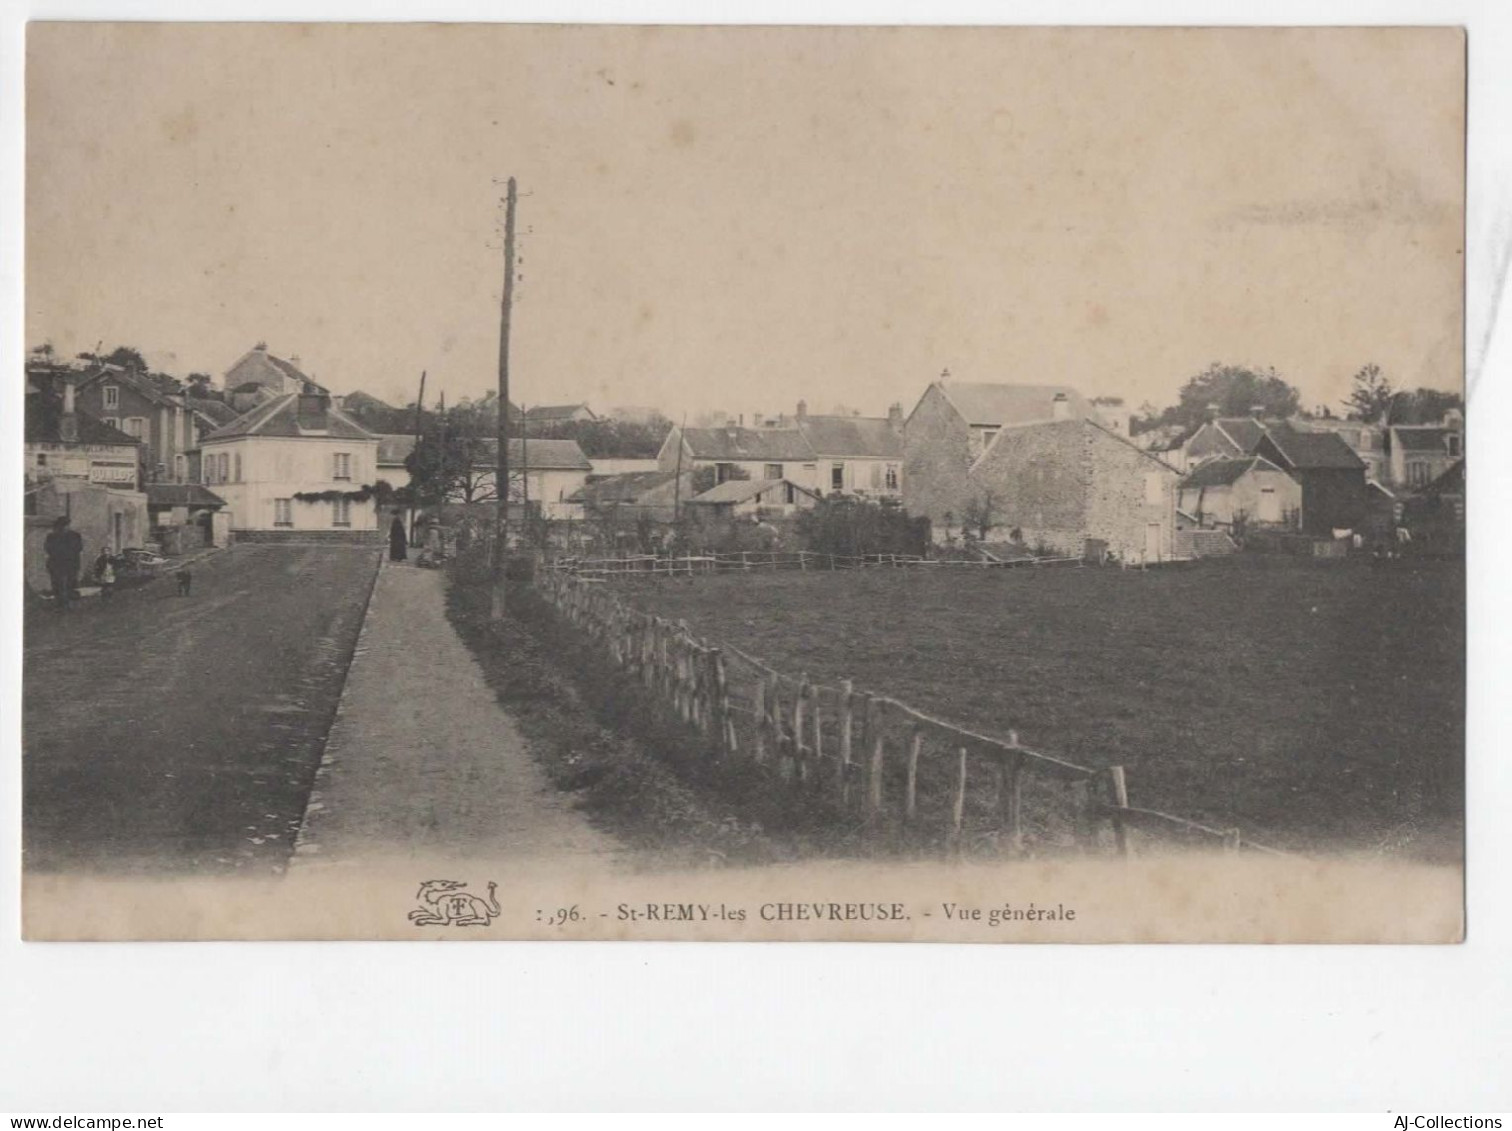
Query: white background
{"points": [[226, 1027]]}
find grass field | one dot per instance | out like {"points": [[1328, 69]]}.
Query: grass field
{"points": [[1314, 705]]}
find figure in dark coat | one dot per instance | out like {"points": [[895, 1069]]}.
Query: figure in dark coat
{"points": [[64, 549], [398, 541]]}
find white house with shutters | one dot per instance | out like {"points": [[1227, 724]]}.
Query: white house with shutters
{"points": [[294, 465]]}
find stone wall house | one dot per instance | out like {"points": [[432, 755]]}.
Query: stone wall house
{"points": [[275, 374], [950, 427], [1221, 490], [1064, 483], [1226, 437]]}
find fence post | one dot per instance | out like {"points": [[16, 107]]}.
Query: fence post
{"points": [[910, 797], [816, 752], [798, 703], [1010, 793], [847, 731], [958, 805], [1118, 798], [874, 768]]}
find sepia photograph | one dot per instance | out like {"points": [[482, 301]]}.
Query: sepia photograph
{"points": [[867, 484]]}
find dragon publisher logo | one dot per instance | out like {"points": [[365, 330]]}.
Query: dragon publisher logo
{"points": [[443, 903]]}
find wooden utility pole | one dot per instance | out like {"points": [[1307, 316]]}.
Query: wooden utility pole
{"points": [[419, 439], [501, 472]]}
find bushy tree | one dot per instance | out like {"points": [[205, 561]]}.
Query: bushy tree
{"points": [[851, 527], [1231, 390], [1370, 395]]}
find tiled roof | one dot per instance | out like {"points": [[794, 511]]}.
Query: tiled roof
{"points": [[994, 404], [1422, 437], [627, 488], [1226, 472], [281, 417], [853, 436], [1245, 431], [136, 381], [537, 455], [218, 411], [1313, 450], [182, 495], [393, 449], [776, 444], [739, 490], [554, 412]]}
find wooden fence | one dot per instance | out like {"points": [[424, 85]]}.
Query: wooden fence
{"points": [[652, 565], [915, 781]]}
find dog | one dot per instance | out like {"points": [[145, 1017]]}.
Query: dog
{"points": [[185, 579]]}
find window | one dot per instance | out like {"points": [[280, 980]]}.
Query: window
{"points": [[238, 467], [1417, 474], [1454, 446], [341, 512], [113, 421], [136, 426], [343, 462], [283, 512], [988, 435], [1154, 489], [112, 396], [723, 472], [41, 459], [225, 467], [892, 477], [773, 471], [837, 477], [180, 468]]}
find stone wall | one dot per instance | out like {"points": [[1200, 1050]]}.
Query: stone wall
{"points": [[936, 456]]}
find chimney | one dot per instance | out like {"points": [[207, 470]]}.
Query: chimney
{"points": [[802, 411], [312, 412], [895, 416], [1060, 408], [68, 426], [945, 376]]}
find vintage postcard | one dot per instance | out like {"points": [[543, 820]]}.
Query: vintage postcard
{"points": [[744, 483]]}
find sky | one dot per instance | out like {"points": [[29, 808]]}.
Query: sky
{"points": [[740, 218]]}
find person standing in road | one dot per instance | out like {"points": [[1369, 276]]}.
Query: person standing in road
{"points": [[64, 548], [398, 540], [105, 573]]}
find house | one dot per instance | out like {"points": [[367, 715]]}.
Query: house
{"points": [[841, 455], [166, 425], [633, 495], [1368, 441], [259, 367], [1420, 453], [1332, 477], [545, 415], [739, 498], [1435, 516], [185, 516], [1072, 485], [393, 451], [1226, 437], [546, 473], [760, 453], [953, 424], [64, 443], [1229, 491], [855, 455], [107, 517], [294, 465]]}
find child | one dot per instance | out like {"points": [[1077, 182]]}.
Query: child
{"points": [[184, 580], [105, 573]]}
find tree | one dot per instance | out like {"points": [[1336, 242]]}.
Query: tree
{"points": [[1370, 396], [981, 511], [1423, 406], [1232, 390], [126, 357], [198, 385]]}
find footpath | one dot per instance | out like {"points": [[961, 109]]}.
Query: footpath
{"points": [[423, 763]]}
